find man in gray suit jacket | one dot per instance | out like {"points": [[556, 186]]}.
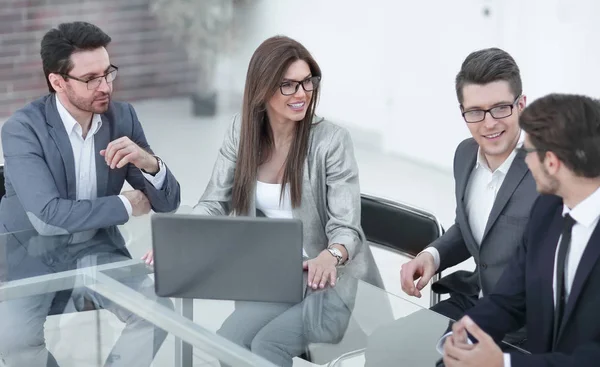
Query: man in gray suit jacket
{"points": [[494, 194], [67, 156]]}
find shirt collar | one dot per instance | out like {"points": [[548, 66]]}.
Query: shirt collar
{"points": [[587, 211], [71, 124], [505, 166]]}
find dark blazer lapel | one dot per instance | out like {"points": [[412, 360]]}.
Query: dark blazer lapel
{"points": [[518, 169], [547, 254], [590, 257], [59, 134], [101, 140]]}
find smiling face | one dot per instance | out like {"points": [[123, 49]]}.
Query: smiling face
{"points": [[282, 108], [497, 137]]}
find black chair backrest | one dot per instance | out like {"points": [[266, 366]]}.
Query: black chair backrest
{"points": [[398, 226]]}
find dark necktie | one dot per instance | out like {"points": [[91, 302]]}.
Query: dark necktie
{"points": [[563, 248]]}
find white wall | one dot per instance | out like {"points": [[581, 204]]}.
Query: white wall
{"points": [[389, 65]]}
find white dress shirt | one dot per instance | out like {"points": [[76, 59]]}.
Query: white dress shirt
{"points": [[84, 153], [480, 195]]}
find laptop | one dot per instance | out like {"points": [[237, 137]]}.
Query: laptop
{"points": [[227, 258]]}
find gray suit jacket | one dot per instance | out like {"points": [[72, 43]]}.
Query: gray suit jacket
{"points": [[40, 177], [504, 231], [330, 208]]}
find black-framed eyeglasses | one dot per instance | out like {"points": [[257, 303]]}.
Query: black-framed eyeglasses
{"points": [[524, 150], [95, 82], [290, 87], [497, 112]]}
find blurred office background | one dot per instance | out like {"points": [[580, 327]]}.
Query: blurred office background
{"points": [[388, 74], [388, 65]]}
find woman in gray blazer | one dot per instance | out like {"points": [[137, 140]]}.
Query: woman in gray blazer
{"points": [[279, 160]]}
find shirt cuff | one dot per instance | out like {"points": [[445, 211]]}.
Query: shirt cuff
{"points": [[440, 344], [506, 360], [158, 179], [436, 256], [127, 205]]}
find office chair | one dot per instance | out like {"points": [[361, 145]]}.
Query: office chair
{"points": [[399, 227]]}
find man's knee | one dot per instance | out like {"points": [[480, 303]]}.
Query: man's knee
{"points": [[263, 345], [17, 339]]}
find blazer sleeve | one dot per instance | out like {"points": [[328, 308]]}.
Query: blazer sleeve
{"points": [[343, 194], [216, 199], [166, 199], [28, 172], [585, 355], [451, 245]]}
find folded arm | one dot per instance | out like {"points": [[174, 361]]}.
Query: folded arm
{"points": [[34, 184]]}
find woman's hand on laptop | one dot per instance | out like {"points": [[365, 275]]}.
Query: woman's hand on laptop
{"points": [[149, 258], [321, 270]]}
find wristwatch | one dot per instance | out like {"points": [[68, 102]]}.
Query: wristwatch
{"points": [[336, 253], [158, 160]]}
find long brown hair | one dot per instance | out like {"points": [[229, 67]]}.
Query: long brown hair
{"points": [[265, 73]]}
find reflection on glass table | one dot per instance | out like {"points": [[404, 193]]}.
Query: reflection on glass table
{"points": [[333, 326], [330, 327], [46, 282]]}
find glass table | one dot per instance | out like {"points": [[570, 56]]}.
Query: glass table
{"points": [[349, 325]]}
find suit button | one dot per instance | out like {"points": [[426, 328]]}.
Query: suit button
{"points": [[484, 266]]}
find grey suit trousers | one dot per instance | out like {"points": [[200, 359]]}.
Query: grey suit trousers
{"points": [[22, 341], [279, 332]]}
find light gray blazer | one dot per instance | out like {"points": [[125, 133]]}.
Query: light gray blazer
{"points": [[330, 207], [504, 231], [39, 170]]}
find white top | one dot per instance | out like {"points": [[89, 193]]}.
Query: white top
{"points": [[267, 201], [84, 153], [480, 195]]}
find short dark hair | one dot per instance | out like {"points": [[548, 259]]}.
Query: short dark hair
{"points": [[60, 43], [486, 66], [569, 126]]}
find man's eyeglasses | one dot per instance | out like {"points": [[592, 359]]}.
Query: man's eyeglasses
{"points": [[290, 87], [497, 112], [94, 83], [524, 150]]}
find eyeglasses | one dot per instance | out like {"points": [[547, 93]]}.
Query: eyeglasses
{"points": [[94, 83], [498, 112], [524, 150], [290, 87]]}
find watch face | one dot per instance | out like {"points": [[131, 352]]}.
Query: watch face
{"points": [[336, 252]]}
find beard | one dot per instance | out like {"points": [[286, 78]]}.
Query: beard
{"points": [[549, 185], [91, 104]]}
